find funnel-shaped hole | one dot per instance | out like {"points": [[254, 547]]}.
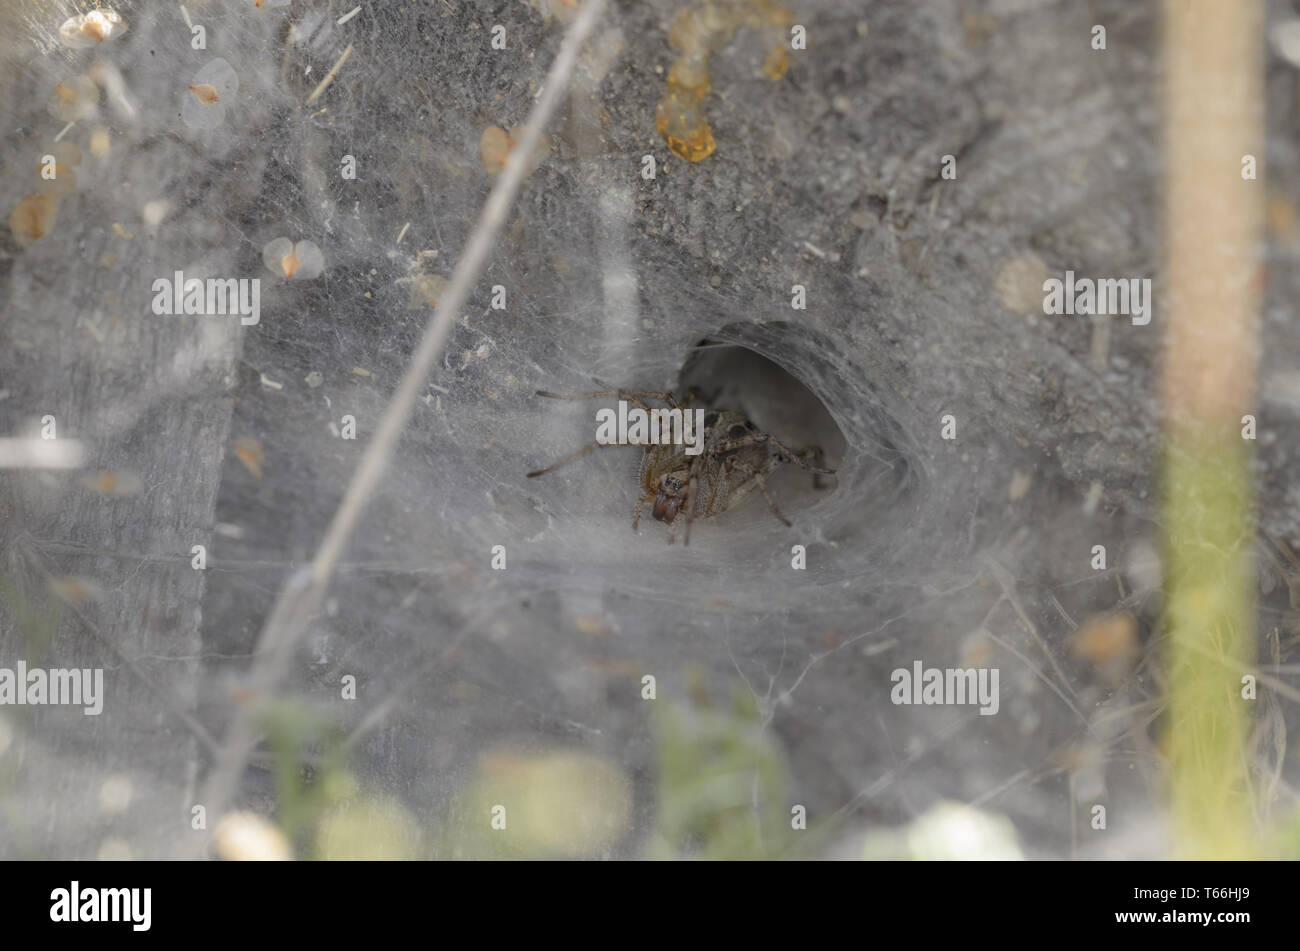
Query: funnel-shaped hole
{"points": [[727, 376]]}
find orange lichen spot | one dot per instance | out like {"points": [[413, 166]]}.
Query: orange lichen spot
{"points": [[496, 144], [205, 93], [698, 31], [78, 98], [119, 483], [493, 149], [302, 261], [680, 120], [212, 89], [91, 29], [1106, 638], [74, 590], [33, 218], [249, 451]]}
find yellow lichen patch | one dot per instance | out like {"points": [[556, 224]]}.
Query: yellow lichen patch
{"points": [[205, 93], [33, 217], [697, 32], [776, 63]]}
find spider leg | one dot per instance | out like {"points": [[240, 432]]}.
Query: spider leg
{"points": [[572, 456], [762, 485], [577, 396], [640, 503], [672, 528], [813, 452], [819, 459], [638, 395], [635, 398], [785, 453], [740, 442], [691, 490]]}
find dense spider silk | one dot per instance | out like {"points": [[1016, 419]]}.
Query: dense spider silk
{"points": [[203, 433]]}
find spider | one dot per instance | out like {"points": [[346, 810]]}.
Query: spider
{"points": [[736, 456]]}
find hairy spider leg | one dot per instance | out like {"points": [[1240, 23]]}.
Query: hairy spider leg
{"points": [[572, 456], [762, 484], [637, 395], [691, 490], [632, 396], [640, 504], [621, 394], [819, 457], [786, 453]]}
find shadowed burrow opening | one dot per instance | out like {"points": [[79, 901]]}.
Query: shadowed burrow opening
{"points": [[791, 382]]}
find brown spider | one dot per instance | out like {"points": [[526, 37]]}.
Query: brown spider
{"points": [[736, 456]]}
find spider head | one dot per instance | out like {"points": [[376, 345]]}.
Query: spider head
{"points": [[671, 495]]}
